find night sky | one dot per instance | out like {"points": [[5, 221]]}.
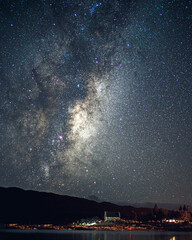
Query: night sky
{"points": [[96, 98]]}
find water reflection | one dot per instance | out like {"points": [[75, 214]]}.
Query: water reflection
{"points": [[90, 235], [141, 236]]}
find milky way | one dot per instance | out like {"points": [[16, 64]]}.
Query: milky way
{"points": [[96, 98]]}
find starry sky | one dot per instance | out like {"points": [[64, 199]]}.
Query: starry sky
{"points": [[96, 98]]}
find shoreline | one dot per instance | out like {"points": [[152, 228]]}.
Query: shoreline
{"points": [[112, 227]]}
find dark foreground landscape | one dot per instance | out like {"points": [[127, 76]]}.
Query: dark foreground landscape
{"points": [[22, 209], [20, 206]]}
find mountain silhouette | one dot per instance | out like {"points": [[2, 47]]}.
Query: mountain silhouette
{"points": [[27, 206]]}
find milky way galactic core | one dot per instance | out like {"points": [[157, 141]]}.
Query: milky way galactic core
{"points": [[95, 98]]}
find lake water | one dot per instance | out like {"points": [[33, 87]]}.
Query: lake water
{"points": [[90, 235]]}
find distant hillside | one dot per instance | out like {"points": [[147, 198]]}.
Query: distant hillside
{"points": [[170, 206], [20, 206]]}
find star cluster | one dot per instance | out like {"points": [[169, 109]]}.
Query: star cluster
{"points": [[95, 98]]}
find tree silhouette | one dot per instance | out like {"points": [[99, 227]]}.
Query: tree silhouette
{"points": [[155, 209], [180, 208]]}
